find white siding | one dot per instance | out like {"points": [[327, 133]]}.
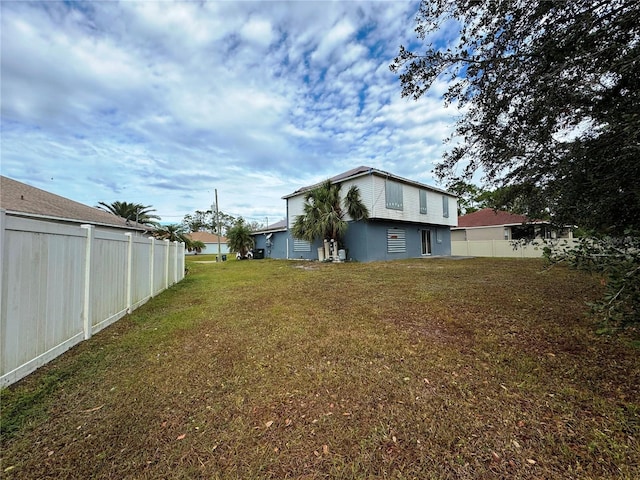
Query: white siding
{"points": [[372, 192]]}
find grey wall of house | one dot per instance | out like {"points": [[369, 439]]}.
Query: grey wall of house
{"points": [[278, 247], [367, 241]]}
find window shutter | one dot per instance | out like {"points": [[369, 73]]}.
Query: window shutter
{"points": [[393, 195], [301, 245], [396, 241], [445, 206], [423, 202]]}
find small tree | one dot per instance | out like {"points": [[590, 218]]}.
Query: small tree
{"points": [[324, 212], [239, 239], [195, 245]]}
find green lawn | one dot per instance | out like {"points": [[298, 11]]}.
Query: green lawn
{"points": [[439, 368]]}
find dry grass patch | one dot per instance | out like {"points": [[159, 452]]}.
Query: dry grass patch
{"points": [[411, 369]]}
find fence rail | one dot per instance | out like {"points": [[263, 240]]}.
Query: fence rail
{"points": [[60, 284], [507, 248]]}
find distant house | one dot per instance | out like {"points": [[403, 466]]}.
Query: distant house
{"points": [[210, 241], [489, 224], [407, 219], [21, 200]]}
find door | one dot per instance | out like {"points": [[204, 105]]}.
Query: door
{"points": [[426, 242]]}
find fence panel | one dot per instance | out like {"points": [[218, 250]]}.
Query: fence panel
{"points": [[506, 248], [59, 284]]}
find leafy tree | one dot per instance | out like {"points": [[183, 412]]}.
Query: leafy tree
{"points": [[239, 239], [205, 221], [131, 211], [200, 221], [325, 212], [550, 91]]}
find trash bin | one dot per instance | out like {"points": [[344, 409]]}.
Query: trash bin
{"points": [[258, 253], [224, 258]]}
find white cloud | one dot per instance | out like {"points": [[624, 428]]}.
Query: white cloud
{"points": [[162, 102]]}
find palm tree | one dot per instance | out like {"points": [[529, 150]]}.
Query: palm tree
{"points": [[324, 212], [239, 239], [173, 233], [131, 211], [195, 245]]}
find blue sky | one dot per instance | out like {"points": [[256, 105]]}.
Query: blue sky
{"points": [[160, 103]]}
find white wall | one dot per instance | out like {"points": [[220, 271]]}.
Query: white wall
{"points": [[60, 284], [506, 248], [372, 192]]}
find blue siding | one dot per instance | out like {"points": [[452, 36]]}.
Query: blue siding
{"points": [[366, 242], [278, 247]]}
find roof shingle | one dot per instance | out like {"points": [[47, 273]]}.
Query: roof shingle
{"points": [[22, 199]]}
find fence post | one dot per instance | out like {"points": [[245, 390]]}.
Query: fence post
{"points": [[175, 262], [152, 259], [166, 263], [129, 268], [86, 312]]}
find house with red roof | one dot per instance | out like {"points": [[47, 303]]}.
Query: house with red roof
{"points": [[490, 224]]}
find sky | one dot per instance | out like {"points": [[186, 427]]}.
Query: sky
{"points": [[162, 103]]}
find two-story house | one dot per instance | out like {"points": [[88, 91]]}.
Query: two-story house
{"points": [[407, 219]]}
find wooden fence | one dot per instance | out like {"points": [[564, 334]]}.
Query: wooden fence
{"points": [[60, 284], [506, 248]]}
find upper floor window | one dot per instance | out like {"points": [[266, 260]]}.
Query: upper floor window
{"points": [[423, 202], [393, 195], [445, 206]]}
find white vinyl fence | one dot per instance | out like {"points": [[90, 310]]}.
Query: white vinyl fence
{"points": [[60, 284], [506, 248]]}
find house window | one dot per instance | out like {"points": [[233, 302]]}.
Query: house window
{"points": [[438, 236], [396, 241], [301, 245], [445, 206], [423, 202], [393, 195]]}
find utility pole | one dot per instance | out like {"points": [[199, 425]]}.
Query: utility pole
{"points": [[218, 224]]}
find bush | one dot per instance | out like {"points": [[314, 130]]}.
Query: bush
{"points": [[617, 260]]}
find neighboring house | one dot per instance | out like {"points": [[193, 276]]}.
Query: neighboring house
{"points": [[210, 241], [489, 224], [407, 219], [21, 200]]}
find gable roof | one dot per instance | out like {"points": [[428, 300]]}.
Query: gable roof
{"points": [[205, 237], [364, 170], [488, 217], [20, 199], [274, 227]]}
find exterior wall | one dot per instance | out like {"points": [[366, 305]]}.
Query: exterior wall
{"points": [[277, 247], [372, 192], [458, 235], [367, 241], [60, 284], [411, 205], [211, 249], [486, 233]]}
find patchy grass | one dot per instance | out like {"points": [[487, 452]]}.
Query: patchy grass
{"points": [[482, 368]]}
